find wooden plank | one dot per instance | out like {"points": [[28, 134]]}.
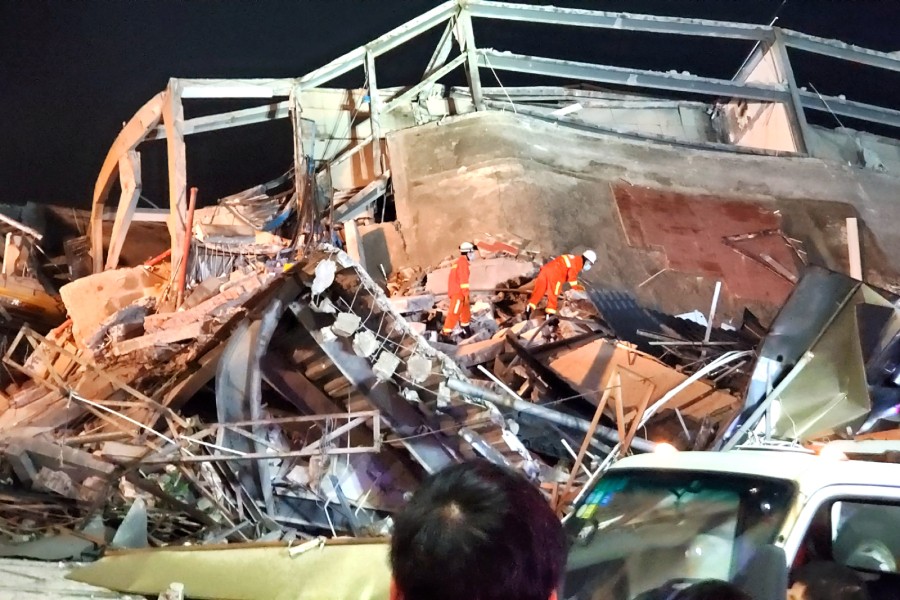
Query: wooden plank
{"points": [[588, 436], [853, 249]]}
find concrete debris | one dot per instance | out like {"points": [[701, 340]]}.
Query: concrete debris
{"points": [[386, 365], [286, 369], [365, 344]]}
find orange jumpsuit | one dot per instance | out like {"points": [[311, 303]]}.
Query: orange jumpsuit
{"points": [[560, 270], [458, 290]]}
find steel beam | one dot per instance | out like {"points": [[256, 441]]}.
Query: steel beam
{"points": [[464, 22], [237, 118], [235, 88], [796, 116], [407, 95], [850, 108], [374, 112], [840, 50], [130, 180], [357, 57], [173, 119], [357, 205], [633, 77], [553, 15], [135, 131]]}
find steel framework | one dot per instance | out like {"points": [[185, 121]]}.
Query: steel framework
{"points": [[163, 116]]}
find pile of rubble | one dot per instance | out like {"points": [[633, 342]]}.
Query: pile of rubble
{"points": [[272, 390]]}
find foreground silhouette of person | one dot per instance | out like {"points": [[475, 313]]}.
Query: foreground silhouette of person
{"points": [[477, 531]]}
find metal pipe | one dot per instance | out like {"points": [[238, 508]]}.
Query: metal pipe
{"points": [[554, 416], [185, 251]]}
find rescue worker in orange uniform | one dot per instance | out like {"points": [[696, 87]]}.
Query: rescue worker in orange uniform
{"points": [[458, 290], [559, 271]]}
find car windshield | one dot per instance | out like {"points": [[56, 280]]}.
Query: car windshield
{"points": [[638, 530]]}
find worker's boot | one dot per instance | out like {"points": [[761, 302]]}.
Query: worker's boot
{"points": [[444, 338], [467, 331], [528, 313]]}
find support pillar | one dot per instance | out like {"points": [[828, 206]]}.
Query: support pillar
{"points": [[173, 119]]}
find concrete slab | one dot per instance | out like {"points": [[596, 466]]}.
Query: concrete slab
{"points": [[483, 274]]}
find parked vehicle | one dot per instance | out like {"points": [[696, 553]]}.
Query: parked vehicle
{"points": [[658, 521]]}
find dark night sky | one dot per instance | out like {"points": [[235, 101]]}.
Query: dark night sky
{"points": [[72, 72]]}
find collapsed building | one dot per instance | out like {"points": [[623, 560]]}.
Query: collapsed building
{"points": [[275, 373]]}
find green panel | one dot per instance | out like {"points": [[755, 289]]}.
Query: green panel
{"points": [[830, 391]]}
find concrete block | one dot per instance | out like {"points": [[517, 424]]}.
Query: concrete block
{"points": [[346, 324], [418, 327], [418, 368], [91, 300], [410, 304], [48, 480], [386, 365], [483, 274], [365, 343]]}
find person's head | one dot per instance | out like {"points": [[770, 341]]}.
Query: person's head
{"points": [[477, 530], [590, 257], [822, 580], [711, 589], [467, 249]]}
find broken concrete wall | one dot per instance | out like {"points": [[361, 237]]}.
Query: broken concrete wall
{"points": [[552, 186], [855, 148]]}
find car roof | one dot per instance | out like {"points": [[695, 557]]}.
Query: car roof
{"points": [[806, 469]]}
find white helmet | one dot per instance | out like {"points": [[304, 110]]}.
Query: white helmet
{"points": [[589, 256], [466, 247]]}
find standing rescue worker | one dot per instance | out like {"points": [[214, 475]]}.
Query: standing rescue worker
{"points": [[458, 290], [562, 269]]}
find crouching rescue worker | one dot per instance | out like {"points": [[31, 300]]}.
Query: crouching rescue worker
{"points": [[458, 290], [559, 271]]}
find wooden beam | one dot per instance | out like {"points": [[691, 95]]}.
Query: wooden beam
{"points": [[130, 180], [173, 118], [135, 131]]}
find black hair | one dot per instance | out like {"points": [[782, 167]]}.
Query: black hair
{"points": [[711, 589], [477, 530], [825, 580]]}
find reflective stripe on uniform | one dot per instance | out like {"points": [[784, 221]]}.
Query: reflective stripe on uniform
{"points": [[447, 330], [550, 311], [454, 265], [532, 306], [566, 260], [557, 288], [463, 324], [465, 286], [456, 307]]}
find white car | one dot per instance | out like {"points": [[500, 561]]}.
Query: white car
{"points": [[658, 521]]}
